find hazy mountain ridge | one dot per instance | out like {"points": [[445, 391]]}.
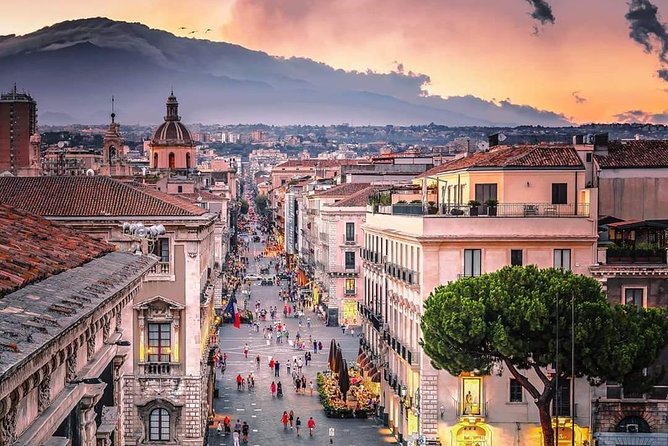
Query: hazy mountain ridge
{"points": [[72, 68]]}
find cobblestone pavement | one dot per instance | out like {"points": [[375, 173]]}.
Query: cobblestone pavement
{"points": [[262, 411]]}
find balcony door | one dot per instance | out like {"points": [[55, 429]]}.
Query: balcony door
{"points": [[484, 192]]}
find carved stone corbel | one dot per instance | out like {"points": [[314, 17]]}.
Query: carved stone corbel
{"points": [[44, 394], [71, 367]]}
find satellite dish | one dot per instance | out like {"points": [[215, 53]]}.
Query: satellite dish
{"points": [[90, 173], [61, 144], [141, 232], [502, 137]]}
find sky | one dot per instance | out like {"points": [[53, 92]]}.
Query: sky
{"points": [[592, 60]]}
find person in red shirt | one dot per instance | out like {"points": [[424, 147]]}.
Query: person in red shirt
{"points": [[285, 420], [240, 380], [311, 426], [273, 388]]}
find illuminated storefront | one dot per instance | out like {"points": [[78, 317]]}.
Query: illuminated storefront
{"points": [[349, 312]]}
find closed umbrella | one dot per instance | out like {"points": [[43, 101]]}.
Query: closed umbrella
{"points": [[332, 355], [344, 379], [338, 358]]}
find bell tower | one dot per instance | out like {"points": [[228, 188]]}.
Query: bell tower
{"points": [[113, 158]]}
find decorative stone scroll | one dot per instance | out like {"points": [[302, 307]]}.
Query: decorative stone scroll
{"points": [[71, 366], [44, 393]]}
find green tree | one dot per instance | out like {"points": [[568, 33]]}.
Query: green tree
{"points": [[244, 206], [261, 204], [508, 319]]}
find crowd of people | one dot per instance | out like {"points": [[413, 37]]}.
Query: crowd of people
{"points": [[265, 319]]}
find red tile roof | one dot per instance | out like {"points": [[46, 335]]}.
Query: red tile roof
{"points": [[505, 157], [359, 198], [90, 196], [314, 162], [634, 153], [32, 248], [342, 190]]}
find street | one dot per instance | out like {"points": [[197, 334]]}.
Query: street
{"points": [[258, 407]]}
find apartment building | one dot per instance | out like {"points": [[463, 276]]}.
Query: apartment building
{"points": [[632, 177], [339, 248], [506, 206], [62, 296], [166, 382]]}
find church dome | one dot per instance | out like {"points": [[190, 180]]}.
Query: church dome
{"points": [[172, 132]]}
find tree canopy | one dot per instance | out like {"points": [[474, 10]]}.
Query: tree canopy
{"points": [[509, 318], [244, 206], [261, 204]]}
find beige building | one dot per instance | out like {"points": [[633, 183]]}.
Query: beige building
{"points": [[530, 206], [62, 339], [166, 382]]}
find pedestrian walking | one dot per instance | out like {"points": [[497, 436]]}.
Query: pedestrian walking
{"points": [[257, 361], [287, 366], [320, 346], [240, 381], [277, 369], [246, 351], [343, 329], [291, 419], [235, 438], [298, 384], [220, 428], [304, 383], [298, 425], [310, 385], [244, 431], [352, 332], [285, 419], [315, 346], [273, 389], [311, 426], [300, 364], [226, 424]]}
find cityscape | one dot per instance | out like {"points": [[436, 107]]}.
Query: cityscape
{"points": [[213, 235]]}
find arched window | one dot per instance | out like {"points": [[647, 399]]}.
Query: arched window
{"points": [[158, 425], [155, 160], [112, 154], [172, 160], [187, 161], [633, 424]]}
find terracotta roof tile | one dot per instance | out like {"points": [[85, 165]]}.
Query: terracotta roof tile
{"points": [[342, 190], [32, 248], [313, 162], [90, 196], [359, 198], [504, 157], [634, 153]]}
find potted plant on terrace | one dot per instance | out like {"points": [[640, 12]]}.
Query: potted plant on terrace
{"points": [[473, 204], [491, 207]]}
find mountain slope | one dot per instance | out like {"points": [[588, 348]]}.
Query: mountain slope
{"points": [[73, 67]]}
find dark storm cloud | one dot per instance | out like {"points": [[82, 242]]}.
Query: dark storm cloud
{"points": [[648, 30], [542, 11], [663, 74]]}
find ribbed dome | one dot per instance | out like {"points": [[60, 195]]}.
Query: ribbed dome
{"points": [[172, 132]]}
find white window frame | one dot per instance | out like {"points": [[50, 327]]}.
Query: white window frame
{"points": [[634, 287]]}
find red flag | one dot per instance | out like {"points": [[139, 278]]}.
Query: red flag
{"points": [[237, 317]]}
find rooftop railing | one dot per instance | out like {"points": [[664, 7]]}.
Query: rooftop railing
{"points": [[505, 210]]}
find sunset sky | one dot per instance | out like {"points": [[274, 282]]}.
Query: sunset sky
{"points": [[584, 65]]}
